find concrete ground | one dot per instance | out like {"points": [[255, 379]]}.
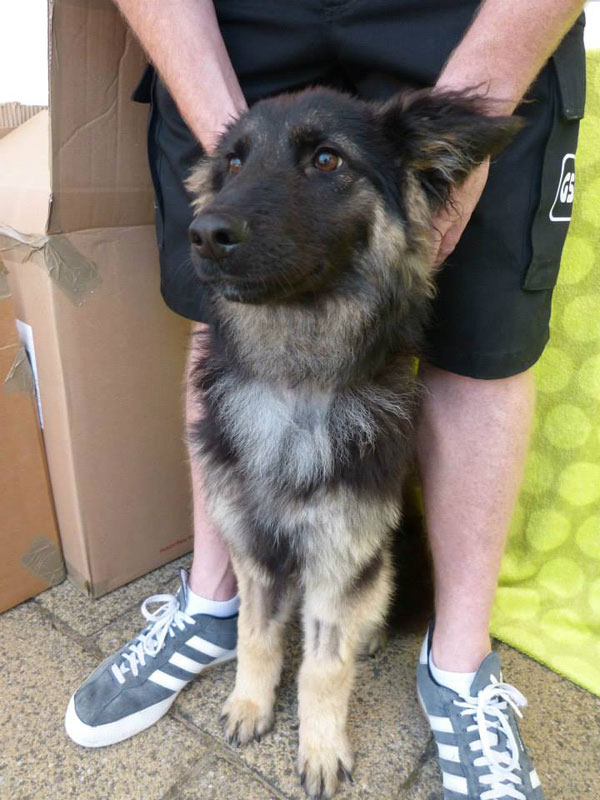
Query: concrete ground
{"points": [[51, 643]]}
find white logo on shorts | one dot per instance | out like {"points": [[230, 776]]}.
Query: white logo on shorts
{"points": [[563, 202]]}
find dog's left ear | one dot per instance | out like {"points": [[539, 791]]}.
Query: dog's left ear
{"points": [[442, 136]]}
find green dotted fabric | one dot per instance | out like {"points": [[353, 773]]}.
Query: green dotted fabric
{"points": [[548, 600]]}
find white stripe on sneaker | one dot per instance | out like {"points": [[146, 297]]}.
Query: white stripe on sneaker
{"points": [[440, 724], [535, 781], [167, 681], [179, 660], [455, 783], [449, 752], [208, 648]]}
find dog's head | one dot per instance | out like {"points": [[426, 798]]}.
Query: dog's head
{"points": [[304, 185]]}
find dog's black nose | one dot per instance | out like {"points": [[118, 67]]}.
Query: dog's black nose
{"points": [[217, 235]]}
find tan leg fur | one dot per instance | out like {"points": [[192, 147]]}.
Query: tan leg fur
{"points": [[335, 628], [248, 711]]}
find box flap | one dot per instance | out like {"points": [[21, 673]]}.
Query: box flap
{"points": [[100, 176], [25, 176]]}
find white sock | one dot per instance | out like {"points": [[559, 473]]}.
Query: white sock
{"points": [[459, 682], [216, 608]]}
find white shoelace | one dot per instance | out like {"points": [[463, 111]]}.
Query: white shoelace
{"points": [[152, 639], [493, 701]]}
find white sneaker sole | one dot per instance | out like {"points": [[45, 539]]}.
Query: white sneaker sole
{"points": [[114, 732]]}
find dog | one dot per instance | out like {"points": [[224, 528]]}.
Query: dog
{"points": [[313, 237]]}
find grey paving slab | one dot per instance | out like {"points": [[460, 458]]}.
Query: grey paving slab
{"points": [[561, 728], [426, 782], [39, 665], [185, 757], [86, 616], [216, 777]]}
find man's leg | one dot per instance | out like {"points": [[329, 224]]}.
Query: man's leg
{"points": [[472, 441], [211, 575]]}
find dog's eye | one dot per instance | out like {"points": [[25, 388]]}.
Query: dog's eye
{"points": [[327, 160], [234, 164]]}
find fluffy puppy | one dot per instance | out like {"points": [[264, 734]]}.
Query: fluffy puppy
{"points": [[313, 236]]}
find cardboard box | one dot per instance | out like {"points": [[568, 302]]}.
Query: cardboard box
{"points": [[30, 556], [77, 238]]}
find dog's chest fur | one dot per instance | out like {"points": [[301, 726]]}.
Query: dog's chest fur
{"points": [[279, 434], [306, 437], [293, 494]]}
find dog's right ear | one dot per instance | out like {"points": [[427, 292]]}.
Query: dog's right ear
{"points": [[441, 136]]}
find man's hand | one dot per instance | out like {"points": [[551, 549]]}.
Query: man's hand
{"points": [[508, 43], [451, 221], [183, 40]]}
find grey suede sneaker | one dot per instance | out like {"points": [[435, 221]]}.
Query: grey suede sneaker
{"points": [[481, 753], [133, 688]]}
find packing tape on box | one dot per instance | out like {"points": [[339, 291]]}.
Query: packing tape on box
{"points": [[20, 375], [75, 274], [44, 559]]}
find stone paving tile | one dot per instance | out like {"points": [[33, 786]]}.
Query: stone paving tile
{"points": [[217, 777], [394, 755], [177, 759], [39, 666], [86, 616], [561, 728], [426, 783], [386, 726]]}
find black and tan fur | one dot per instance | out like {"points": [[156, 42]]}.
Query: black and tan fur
{"points": [[307, 377]]}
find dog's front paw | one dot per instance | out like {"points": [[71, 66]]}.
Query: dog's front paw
{"points": [[244, 720], [322, 767]]}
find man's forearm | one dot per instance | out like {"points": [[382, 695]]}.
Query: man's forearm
{"points": [[183, 40], [506, 46]]}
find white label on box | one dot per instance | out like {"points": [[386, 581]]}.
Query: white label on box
{"points": [[26, 336]]}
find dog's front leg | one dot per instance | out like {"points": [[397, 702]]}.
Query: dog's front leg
{"points": [[324, 685], [264, 610], [336, 627]]}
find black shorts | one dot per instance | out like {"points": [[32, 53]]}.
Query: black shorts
{"points": [[492, 311]]}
